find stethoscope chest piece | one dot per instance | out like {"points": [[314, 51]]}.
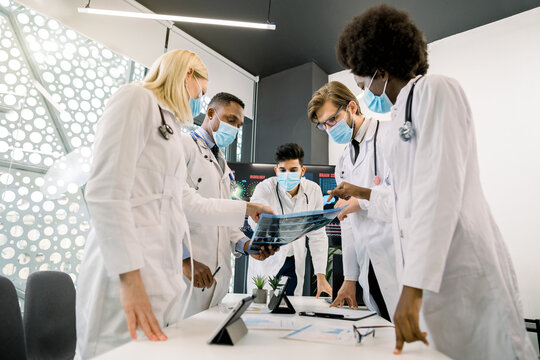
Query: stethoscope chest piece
{"points": [[406, 131], [165, 130]]}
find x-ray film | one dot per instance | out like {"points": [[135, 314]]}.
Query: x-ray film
{"points": [[278, 230]]}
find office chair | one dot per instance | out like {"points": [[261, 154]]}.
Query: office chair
{"points": [[49, 316], [11, 328]]}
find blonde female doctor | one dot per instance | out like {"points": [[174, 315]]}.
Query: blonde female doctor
{"points": [[131, 276]]}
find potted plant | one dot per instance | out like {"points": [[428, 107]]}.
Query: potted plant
{"points": [[275, 285], [260, 292], [274, 282]]}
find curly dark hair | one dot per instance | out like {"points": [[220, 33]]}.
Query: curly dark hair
{"points": [[289, 151], [383, 38]]}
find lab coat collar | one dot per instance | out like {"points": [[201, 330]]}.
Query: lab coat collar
{"points": [[165, 107], [404, 93], [362, 133], [370, 134], [206, 137]]}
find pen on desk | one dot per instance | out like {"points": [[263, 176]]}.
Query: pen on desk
{"points": [[214, 274]]}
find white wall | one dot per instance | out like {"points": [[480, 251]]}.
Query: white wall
{"points": [[143, 41], [498, 65]]}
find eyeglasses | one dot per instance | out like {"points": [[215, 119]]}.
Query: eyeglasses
{"points": [[358, 335], [330, 122]]}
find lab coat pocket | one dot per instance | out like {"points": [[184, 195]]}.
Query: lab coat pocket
{"points": [[156, 249]]}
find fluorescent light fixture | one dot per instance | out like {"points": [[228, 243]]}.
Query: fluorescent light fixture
{"points": [[252, 25]]}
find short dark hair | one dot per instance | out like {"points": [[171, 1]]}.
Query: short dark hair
{"points": [[383, 38], [289, 151], [224, 99]]}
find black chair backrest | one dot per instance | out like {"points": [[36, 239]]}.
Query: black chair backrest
{"points": [[49, 316], [11, 327]]}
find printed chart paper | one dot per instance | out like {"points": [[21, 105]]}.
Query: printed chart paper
{"points": [[324, 334], [269, 322]]}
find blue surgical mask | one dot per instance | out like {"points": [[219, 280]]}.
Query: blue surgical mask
{"points": [[380, 104], [225, 134], [195, 104], [341, 133], [289, 180]]}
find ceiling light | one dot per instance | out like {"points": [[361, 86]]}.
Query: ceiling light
{"points": [[186, 19]]}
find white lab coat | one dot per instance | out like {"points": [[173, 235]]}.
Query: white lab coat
{"points": [[309, 198], [363, 236], [446, 240], [138, 205], [212, 245]]}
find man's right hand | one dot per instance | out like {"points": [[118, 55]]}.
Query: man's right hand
{"points": [[347, 294], [202, 276]]}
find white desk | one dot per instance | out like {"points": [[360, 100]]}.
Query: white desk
{"points": [[188, 340]]}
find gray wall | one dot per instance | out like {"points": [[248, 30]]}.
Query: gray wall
{"points": [[282, 114]]}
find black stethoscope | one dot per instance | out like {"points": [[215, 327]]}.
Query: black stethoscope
{"points": [[376, 179], [279, 199], [196, 137], [164, 129], [406, 131]]}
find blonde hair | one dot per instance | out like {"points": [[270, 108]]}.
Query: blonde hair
{"points": [[334, 91], [166, 80]]}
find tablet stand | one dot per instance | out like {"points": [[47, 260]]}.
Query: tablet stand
{"points": [[231, 334], [277, 307]]}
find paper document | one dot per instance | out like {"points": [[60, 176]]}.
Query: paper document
{"points": [[255, 309], [269, 322], [280, 230], [324, 334]]}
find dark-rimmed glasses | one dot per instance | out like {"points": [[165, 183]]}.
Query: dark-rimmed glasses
{"points": [[330, 122], [359, 335]]}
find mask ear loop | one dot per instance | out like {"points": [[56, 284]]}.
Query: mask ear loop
{"points": [[372, 78], [200, 87], [384, 89]]}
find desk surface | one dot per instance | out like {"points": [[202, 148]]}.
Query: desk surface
{"points": [[188, 339]]}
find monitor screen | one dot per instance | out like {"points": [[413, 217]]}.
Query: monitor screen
{"points": [[248, 175]]}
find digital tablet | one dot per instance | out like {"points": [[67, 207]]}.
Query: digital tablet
{"points": [[234, 315]]}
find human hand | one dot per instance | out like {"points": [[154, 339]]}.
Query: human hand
{"points": [[255, 210], [406, 318], [202, 276], [346, 294], [323, 286], [265, 252], [352, 206], [138, 308], [345, 191]]}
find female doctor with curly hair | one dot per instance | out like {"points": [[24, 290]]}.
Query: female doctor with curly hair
{"points": [[452, 262]]}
